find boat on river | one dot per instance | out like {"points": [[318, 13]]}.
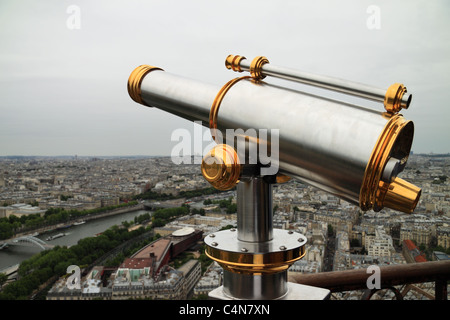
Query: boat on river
{"points": [[56, 236], [63, 226]]}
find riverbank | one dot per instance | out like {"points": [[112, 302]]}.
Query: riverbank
{"points": [[18, 253], [35, 272], [87, 217]]}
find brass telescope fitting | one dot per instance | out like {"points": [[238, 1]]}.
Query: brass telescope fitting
{"points": [[399, 195], [221, 167], [256, 67], [234, 63], [393, 98], [396, 139], [135, 81], [216, 105]]}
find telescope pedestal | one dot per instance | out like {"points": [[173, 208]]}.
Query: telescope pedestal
{"points": [[255, 257], [295, 292]]}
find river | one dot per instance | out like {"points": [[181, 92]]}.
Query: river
{"points": [[15, 254]]}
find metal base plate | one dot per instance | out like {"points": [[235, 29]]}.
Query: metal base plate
{"points": [[295, 292]]}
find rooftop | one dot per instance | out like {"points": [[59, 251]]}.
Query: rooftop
{"points": [[136, 263], [157, 248]]}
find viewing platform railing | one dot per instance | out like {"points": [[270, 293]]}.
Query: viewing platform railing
{"points": [[398, 278]]}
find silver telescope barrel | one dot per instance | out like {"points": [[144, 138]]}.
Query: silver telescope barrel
{"points": [[260, 67], [351, 151], [186, 98]]}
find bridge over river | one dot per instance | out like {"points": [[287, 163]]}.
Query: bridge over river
{"points": [[25, 240]]}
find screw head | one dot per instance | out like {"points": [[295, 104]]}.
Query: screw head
{"points": [[212, 235], [244, 250], [290, 232], [214, 244], [233, 229], [282, 248]]}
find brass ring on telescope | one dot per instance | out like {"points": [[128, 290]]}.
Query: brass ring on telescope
{"points": [[256, 67], [393, 97], [280, 263], [233, 62], [378, 159], [135, 81], [216, 104], [256, 263]]}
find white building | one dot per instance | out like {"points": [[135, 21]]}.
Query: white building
{"points": [[20, 209], [379, 245], [211, 280]]}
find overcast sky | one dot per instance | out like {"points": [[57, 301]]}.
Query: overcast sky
{"points": [[63, 89]]}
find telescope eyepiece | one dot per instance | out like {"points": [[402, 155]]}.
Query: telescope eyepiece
{"points": [[400, 195]]}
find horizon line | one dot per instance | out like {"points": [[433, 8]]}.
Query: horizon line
{"points": [[149, 156]]}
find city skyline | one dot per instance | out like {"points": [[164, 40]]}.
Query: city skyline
{"points": [[65, 65], [67, 185]]}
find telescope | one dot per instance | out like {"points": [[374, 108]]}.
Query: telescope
{"points": [[353, 152]]}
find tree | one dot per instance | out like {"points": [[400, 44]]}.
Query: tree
{"points": [[126, 224], [275, 208], [41, 267], [141, 218], [3, 278], [200, 297], [330, 230], [422, 247], [65, 198], [232, 208], [158, 223], [6, 230]]}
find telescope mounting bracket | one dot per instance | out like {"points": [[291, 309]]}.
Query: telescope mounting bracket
{"points": [[255, 257]]}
